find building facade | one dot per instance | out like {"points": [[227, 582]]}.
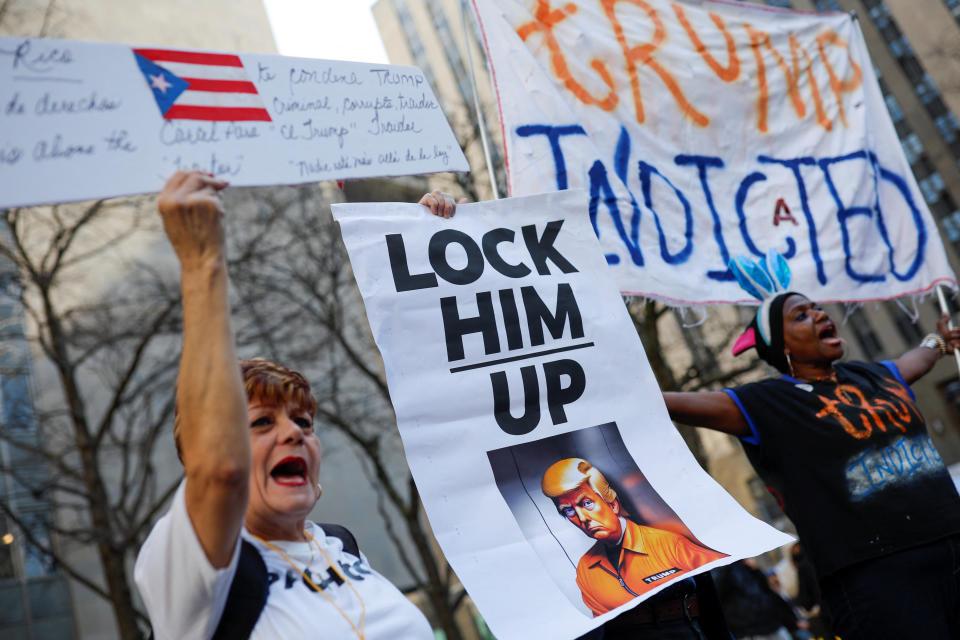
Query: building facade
{"points": [[430, 34], [34, 593]]}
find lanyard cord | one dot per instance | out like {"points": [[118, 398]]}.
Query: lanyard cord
{"points": [[363, 607]]}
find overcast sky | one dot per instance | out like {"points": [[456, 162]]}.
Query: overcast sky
{"points": [[334, 29]]}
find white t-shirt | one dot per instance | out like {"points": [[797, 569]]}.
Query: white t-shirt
{"points": [[185, 595]]}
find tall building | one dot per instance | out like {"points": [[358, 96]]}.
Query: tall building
{"points": [[430, 35], [915, 47]]}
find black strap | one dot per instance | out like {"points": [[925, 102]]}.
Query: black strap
{"points": [[250, 586], [247, 597], [344, 535]]}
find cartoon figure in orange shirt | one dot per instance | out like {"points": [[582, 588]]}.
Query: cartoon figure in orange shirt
{"points": [[628, 559]]}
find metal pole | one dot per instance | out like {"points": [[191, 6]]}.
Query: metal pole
{"points": [[943, 308], [476, 105]]}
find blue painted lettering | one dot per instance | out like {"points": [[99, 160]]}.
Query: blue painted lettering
{"points": [[677, 236], [899, 462]]}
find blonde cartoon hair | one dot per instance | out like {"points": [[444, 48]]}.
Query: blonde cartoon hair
{"points": [[569, 474]]}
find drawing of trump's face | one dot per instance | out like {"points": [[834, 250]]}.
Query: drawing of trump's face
{"points": [[591, 514]]}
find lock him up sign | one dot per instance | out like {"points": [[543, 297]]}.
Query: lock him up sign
{"points": [[502, 330], [450, 244]]}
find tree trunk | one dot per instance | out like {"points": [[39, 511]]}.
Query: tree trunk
{"points": [[645, 316], [111, 558], [438, 590]]}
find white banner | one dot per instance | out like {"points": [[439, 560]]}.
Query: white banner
{"points": [[704, 130], [83, 120], [515, 370]]}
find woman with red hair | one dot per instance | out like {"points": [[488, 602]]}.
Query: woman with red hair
{"points": [[235, 556]]}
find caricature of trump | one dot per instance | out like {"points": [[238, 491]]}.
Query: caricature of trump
{"points": [[628, 559]]}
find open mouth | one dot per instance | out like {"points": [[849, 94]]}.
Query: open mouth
{"points": [[291, 471], [828, 334]]}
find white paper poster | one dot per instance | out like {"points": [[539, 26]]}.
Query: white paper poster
{"points": [[707, 129], [531, 420], [84, 120]]}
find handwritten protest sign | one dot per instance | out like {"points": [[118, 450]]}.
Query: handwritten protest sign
{"points": [[704, 130], [539, 380], [82, 120]]}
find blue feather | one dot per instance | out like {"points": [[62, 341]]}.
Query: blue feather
{"points": [[779, 269], [751, 277]]}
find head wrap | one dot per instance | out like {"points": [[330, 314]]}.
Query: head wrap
{"points": [[766, 280]]}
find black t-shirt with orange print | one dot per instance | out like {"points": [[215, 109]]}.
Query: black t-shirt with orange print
{"points": [[850, 462]]}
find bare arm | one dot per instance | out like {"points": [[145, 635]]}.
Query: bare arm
{"points": [[914, 364], [711, 409], [214, 438]]}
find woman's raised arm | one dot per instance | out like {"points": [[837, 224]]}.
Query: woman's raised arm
{"points": [[710, 409], [211, 426], [914, 364]]}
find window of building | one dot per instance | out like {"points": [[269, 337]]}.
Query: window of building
{"points": [[931, 186], [908, 330], [35, 562], [7, 538], [827, 5], [896, 113], [34, 599], [950, 391], [950, 228], [865, 335], [947, 128]]}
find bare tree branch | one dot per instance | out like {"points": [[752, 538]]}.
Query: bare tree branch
{"points": [[131, 369]]}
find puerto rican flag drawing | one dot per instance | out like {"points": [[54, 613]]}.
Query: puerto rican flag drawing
{"points": [[190, 85]]}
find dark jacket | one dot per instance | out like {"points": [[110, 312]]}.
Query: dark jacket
{"points": [[751, 607]]}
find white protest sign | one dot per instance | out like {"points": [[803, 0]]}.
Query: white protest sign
{"points": [[508, 350], [83, 120], [704, 130]]}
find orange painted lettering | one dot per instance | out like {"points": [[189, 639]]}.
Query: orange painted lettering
{"points": [[906, 402], [796, 49], [763, 91], [838, 86], [545, 19], [791, 73], [898, 414], [727, 73], [846, 391], [830, 409], [642, 55]]}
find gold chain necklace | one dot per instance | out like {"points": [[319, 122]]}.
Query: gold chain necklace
{"points": [[312, 540]]}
